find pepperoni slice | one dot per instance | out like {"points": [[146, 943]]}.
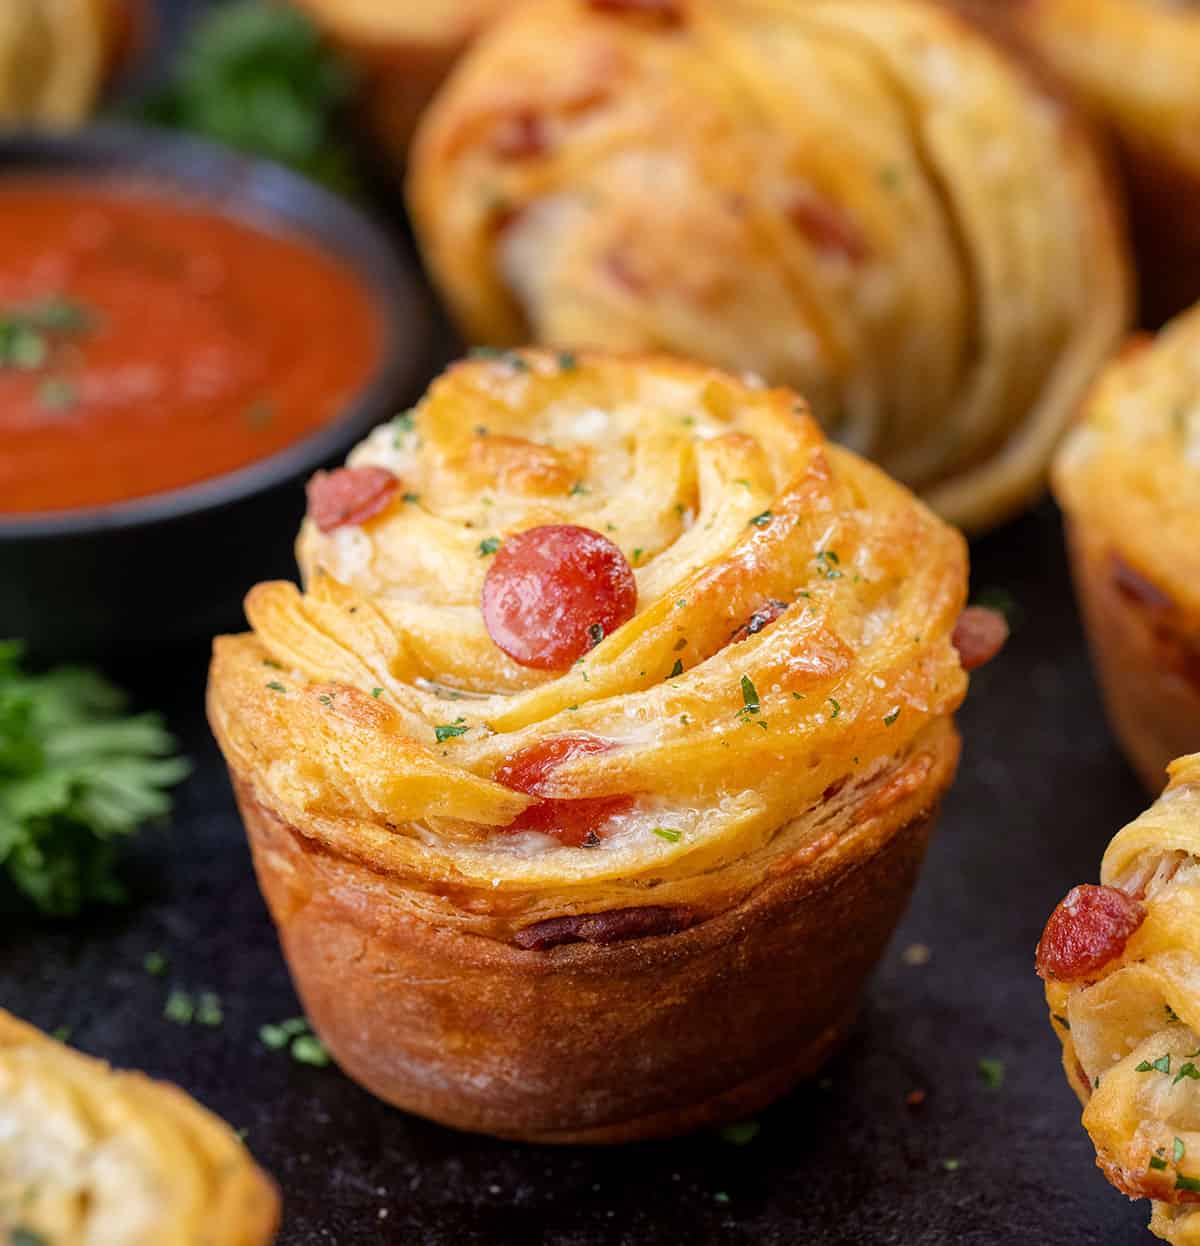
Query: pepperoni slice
{"points": [[349, 495], [826, 226], [572, 822], [978, 636], [552, 593], [1087, 930], [764, 616]]}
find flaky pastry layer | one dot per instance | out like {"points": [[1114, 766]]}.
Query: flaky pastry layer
{"points": [[861, 198], [94, 1157], [740, 756]]}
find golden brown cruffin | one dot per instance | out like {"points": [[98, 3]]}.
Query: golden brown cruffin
{"points": [[404, 49], [1126, 1005], [1128, 479], [93, 1157], [1136, 65], [770, 736], [54, 55], [861, 198]]}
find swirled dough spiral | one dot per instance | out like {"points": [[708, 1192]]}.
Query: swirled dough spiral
{"points": [[723, 497], [864, 199], [1131, 1030], [94, 1157]]}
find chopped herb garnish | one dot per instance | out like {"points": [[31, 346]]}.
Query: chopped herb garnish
{"points": [[679, 605], [676, 670], [637, 555], [447, 731], [888, 719], [567, 361], [377, 693], [578, 488], [827, 564], [1188, 1070], [56, 393], [62, 1033], [762, 519], [1172, 1017], [275, 666], [404, 422], [509, 357], [1178, 1150], [1157, 1162], [21, 1236], [208, 1010], [749, 697], [721, 1197], [325, 698], [992, 1072], [1162, 1065], [156, 963], [837, 707], [488, 546], [308, 1049], [799, 696], [1187, 1183], [741, 1132], [952, 1165], [410, 498], [595, 633], [668, 833], [275, 685], [680, 509], [180, 1008]]}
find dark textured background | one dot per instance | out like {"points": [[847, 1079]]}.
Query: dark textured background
{"points": [[843, 1162]]}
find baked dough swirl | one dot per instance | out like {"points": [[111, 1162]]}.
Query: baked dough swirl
{"points": [[94, 1157], [863, 199], [1128, 479], [1129, 1019], [774, 719]]}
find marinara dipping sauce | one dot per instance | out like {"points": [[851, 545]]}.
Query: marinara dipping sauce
{"points": [[148, 341]]}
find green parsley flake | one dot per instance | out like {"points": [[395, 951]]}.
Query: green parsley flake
{"points": [[1172, 1017], [156, 963], [668, 833], [180, 1008], [637, 555], [21, 1236], [377, 693], [750, 703], [762, 519], [676, 670], [404, 423], [952, 1165], [208, 1010], [1157, 1162], [741, 1132], [992, 1072], [273, 1036], [62, 1033], [721, 1197], [275, 685], [595, 633], [1188, 1070], [827, 564], [888, 719], [567, 361], [1178, 1151], [488, 546], [447, 731], [308, 1049], [578, 489], [837, 706], [411, 498], [1187, 1183], [1162, 1065]]}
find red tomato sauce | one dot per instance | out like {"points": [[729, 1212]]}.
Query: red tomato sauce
{"points": [[147, 343]]}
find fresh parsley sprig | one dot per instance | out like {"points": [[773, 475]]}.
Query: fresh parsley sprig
{"points": [[76, 774]]}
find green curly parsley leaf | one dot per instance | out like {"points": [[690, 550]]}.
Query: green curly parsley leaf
{"points": [[76, 774]]}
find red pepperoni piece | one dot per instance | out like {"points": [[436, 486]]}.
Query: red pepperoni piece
{"points": [[552, 593], [349, 495], [826, 226], [573, 822], [978, 636], [764, 616], [1087, 930]]}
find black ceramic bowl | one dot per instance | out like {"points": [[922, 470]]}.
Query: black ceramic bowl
{"points": [[170, 569]]}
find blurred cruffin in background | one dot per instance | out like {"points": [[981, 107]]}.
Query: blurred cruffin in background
{"points": [[56, 54], [404, 49], [866, 200]]}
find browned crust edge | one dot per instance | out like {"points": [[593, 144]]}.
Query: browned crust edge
{"points": [[1140, 643], [585, 1042]]}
